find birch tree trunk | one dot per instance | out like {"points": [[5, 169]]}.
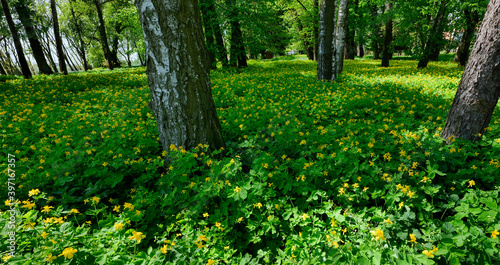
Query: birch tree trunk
{"points": [[17, 42], [386, 49], [341, 36], [326, 39], [178, 74], [479, 89]]}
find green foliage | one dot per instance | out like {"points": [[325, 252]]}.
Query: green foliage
{"points": [[314, 172]]}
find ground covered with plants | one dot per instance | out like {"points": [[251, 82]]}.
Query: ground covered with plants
{"points": [[351, 172]]}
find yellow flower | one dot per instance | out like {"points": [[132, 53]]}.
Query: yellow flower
{"points": [[6, 257], [137, 236], [33, 192], [46, 209], [237, 189], [210, 262], [205, 215], [164, 249], [129, 206], [116, 208], [379, 234], [413, 238], [44, 235], [494, 234], [303, 142], [68, 253], [472, 183], [75, 211], [118, 226], [95, 200], [388, 221], [51, 258], [305, 216], [28, 204], [428, 253]]}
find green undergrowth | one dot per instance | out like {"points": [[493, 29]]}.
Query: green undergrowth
{"points": [[351, 172]]}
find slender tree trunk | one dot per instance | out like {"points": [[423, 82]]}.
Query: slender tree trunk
{"points": [[213, 21], [81, 49], [179, 74], [23, 11], [351, 33], [316, 29], [48, 53], [2, 70], [361, 51], [325, 39], [209, 32], [341, 36], [479, 89], [435, 35], [375, 42], [104, 37], [57, 36], [17, 42], [462, 54], [386, 49], [238, 54]]}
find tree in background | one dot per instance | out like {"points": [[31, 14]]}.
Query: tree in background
{"points": [[387, 49], [57, 36], [341, 36], [434, 39], [178, 73], [17, 42], [479, 89], [326, 40]]}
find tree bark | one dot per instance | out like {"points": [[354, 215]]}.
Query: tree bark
{"points": [[351, 33], [206, 18], [23, 11], [376, 38], [326, 39], [81, 49], [316, 29], [178, 74], [57, 36], [386, 49], [2, 70], [435, 36], [462, 54], [103, 35], [361, 53], [17, 42], [479, 89], [341, 36]]}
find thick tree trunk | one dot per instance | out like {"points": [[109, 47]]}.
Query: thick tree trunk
{"points": [[386, 49], [17, 42], [435, 36], [179, 74], [325, 39], [462, 54], [23, 11], [103, 35], [479, 89], [341, 36], [2, 70]]}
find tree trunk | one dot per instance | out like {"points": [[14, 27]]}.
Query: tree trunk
{"points": [[375, 41], [237, 49], [361, 53], [81, 49], [351, 33], [17, 42], [325, 39], [2, 70], [179, 74], [23, 11], [209, 33], [386, 49], [104, 37], [435, 36], [316, 29], [213, 21], [462, 54], [479, 89], [341, 36]]}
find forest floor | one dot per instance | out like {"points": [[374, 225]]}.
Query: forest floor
{"points": [[350, 172]]}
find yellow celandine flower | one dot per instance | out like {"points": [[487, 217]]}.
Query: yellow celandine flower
{"points": [[237, 189], [28, 204], [388, 221], [205, 215], [164, 249], [34, 192], [471, 183], [118, 226], [210, 262], [46, 208], [129, 206], [413, 238], [305, 216], [68, 253], [378, 234], [137, 236], [75, 211], [430, 253], [51, 258], [6, 257], [95, 200], [257, 205], [116, 208], [365, 189], [494, 234]]}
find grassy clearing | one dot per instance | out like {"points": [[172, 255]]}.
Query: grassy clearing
{"points": [[320, 173]]}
